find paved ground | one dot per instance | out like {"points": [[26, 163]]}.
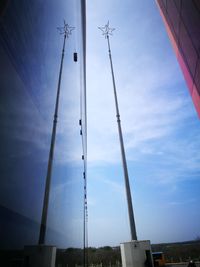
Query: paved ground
{"points": [[180, 264]]}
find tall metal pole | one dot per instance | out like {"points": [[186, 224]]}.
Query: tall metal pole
{"points": [[108, 31], [66, 30]]}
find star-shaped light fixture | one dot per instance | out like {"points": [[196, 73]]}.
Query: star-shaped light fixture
{"points": [[106, 30], [67, 30]]}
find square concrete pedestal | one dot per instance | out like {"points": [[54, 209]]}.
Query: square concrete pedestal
{"points": [[39, 256], [136, 254]]}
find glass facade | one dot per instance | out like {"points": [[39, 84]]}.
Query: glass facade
{"points": [[30, 56], [182, 21]]}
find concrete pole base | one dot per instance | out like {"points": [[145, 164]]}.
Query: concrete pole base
{"points": [[136, 254], [39, 256]]}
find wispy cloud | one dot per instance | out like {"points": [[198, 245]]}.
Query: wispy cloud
{"points": [[177, 203], [115, 186], [148, 111]]}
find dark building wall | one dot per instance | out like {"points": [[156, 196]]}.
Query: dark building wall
{"points": [[30, 52], [182, 21]]}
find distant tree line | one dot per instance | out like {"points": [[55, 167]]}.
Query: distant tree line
{"points": [[181, 251], [103, 256], [110, 256], [106, 256]]}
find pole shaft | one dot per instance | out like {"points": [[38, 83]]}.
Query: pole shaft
{"points": [[84, 227], [50, 161], [128, 191]]}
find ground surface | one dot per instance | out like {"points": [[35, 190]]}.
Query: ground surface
{"points": [[180, 264]]}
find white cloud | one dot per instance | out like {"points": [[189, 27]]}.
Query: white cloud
{"points": [[148, 111], [177, 203]]}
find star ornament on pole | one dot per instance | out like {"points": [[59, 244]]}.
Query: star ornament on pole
{"points": [[106, 30], [66, 29]]}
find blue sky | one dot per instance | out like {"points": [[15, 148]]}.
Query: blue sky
{"points": [[160, 127]]}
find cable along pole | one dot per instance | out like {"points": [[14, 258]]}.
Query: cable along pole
{"points": [[66, 30], [106, 32]]}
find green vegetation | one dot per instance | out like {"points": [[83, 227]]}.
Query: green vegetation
{"points": [[107, 256], [110, 256], [103, 256], [176, 252]]}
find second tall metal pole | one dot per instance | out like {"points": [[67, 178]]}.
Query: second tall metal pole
{"points": [[50, 161]]}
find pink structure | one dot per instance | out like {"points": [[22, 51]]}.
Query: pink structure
{"points": [[182, 21]]}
